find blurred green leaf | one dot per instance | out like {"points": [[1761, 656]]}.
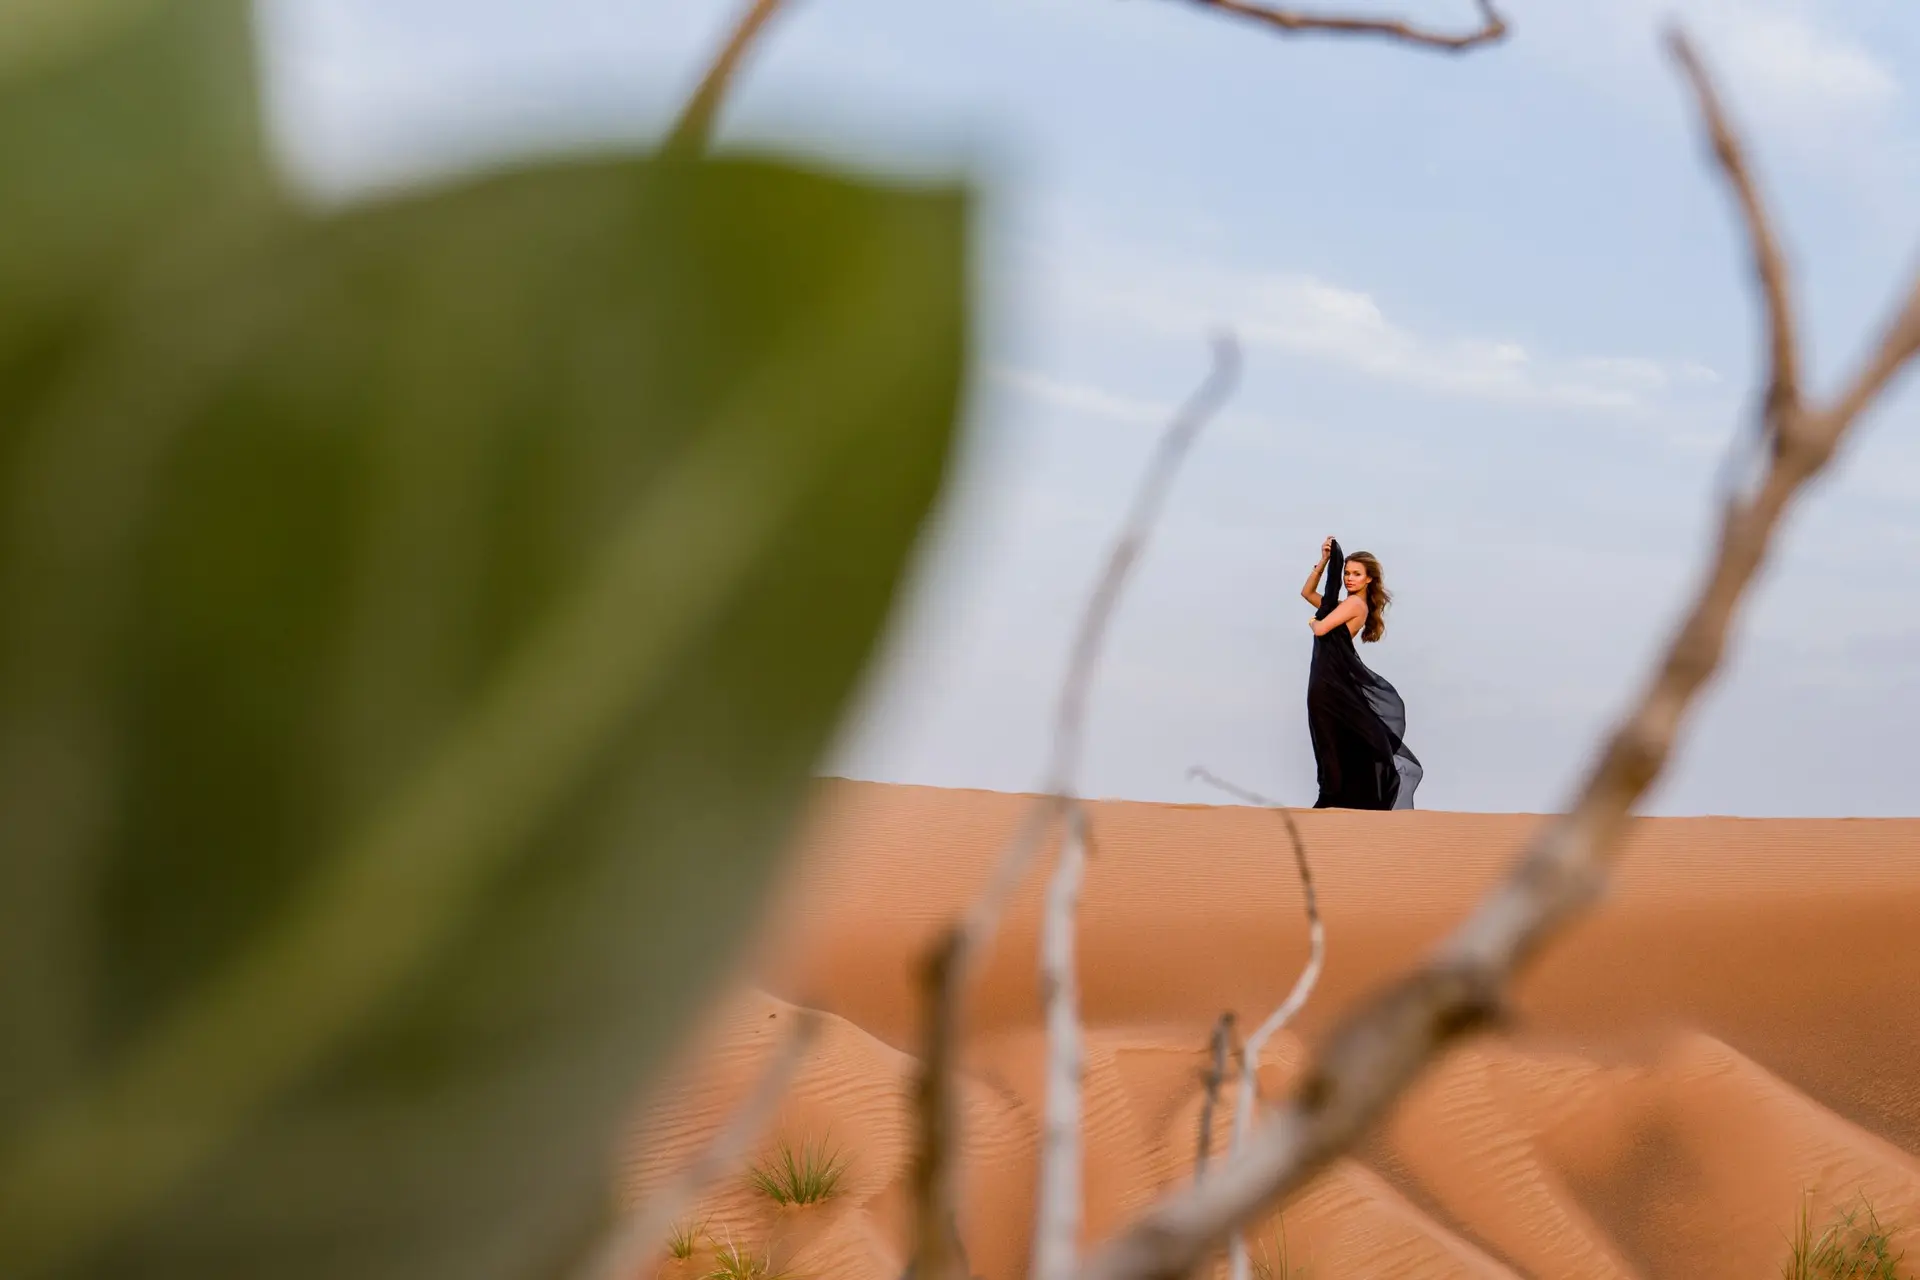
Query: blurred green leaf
{"points": [[129, 134], [469, 586], [37, 33], [129, 153]]}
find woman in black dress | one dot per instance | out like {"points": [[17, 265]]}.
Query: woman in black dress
{"points": [[1354, 716]]}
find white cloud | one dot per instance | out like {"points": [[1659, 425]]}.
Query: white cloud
{"points": [[1079, 397], [1790, 64], [1819, 90], [1799, 71], [1349, 329], [1632, 371], [1240, 426]]}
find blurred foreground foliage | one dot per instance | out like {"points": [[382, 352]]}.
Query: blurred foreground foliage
{"points": [[417, 627]]}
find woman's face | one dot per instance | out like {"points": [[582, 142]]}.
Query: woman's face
{"points": [[1355, 577]]}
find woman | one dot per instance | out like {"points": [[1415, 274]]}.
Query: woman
{"points": [[1355, 717]]}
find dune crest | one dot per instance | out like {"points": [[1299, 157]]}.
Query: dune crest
{"points": [[1734, 1029]]}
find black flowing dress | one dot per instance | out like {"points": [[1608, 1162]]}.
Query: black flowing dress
{"points": [[1356, 720]]}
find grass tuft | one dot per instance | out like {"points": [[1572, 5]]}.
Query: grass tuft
{"points": [[684, 1240], [1273, 1260], [1847, 1249], [731, 1262], [804, 1175]]}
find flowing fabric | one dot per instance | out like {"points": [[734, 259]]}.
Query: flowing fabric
{"points": [[1356, 719]]}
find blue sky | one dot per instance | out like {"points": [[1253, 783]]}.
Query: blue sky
{"points": [[1498, 328]]}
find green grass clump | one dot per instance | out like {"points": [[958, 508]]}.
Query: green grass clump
{"points": [[1848, 1249], [804, 1175], [731, 1262], [684, 1240]]}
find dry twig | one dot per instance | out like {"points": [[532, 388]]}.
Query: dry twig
{"points": [[1378, 1051], [1214, 1076], [1781, 398], [1491, 30], [1069, 726], [1056, 1236], [1289, 1008], [640, 1237], [935, 1257], [694, 129], [937, 1251]]}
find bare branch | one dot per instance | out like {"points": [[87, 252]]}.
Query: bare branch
{"points": [[1070, 718], [693, 131], [1491, 30], [958, 951], [1289, 1008], [1070, 714], [640, 1238], [1781, 406], [982, 920], [936, 1250], [1898, 345], [1056, 1236], [1379, 1050], [1213, 1078]]}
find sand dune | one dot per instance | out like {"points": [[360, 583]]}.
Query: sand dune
{"points": [[1736, 1028]]}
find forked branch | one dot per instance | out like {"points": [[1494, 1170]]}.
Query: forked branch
{"points": [[1492, 28], [935, 1254], [1379, 1050], [693, 130]]}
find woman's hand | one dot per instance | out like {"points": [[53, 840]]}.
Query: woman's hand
{"points": [[1326, 550]]}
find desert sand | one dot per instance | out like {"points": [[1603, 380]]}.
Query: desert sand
{"points": [[1737, 1026]]}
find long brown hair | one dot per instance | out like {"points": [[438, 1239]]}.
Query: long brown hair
{"points": [[1378, 597]]}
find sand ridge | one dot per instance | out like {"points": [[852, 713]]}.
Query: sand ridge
{"points": [[1735, 1028]]}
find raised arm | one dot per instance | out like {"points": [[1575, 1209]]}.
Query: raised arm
{"points": [[1334, 561], [1310, 593]]}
